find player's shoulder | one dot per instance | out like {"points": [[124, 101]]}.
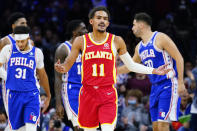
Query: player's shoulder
{"points": [[5, 38], [161, 35], [79, 42], [162, 39], [7, 48], [38, 50], [4, 41], [1, 39], [79, 38], [117, 39], [61, 45], [61, 48]]}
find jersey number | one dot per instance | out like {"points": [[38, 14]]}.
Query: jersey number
{"points": [[21, 73], [149, 63], [95, 73], [78, 69]]}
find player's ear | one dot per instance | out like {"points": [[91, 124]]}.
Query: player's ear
{"points": [[13, 26], [74, 33], [141, 25], [91, 21]]}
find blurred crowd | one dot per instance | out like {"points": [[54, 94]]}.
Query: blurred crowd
{"points": [[48, 20]]}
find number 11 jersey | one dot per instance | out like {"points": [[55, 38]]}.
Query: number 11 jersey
{"points": [[98, 62]]}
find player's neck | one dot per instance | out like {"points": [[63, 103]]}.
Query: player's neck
{"points": [[98, 36], [146, 36]]}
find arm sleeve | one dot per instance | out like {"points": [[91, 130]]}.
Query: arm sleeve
{"points": [[5, 53], [3, 73], [133, 66], [39, 59]]}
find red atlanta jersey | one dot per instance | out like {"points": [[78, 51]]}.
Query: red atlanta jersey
{"points": [[98, 62]]}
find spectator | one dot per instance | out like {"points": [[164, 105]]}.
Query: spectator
{"points": [[121, 100], [56, 124], [3, 120], [131, 115], [189, 77], [193, 125], [145, 124], [184, 114], [141, 82]]}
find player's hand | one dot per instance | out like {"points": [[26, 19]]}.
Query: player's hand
{"points": [[59, 67], [46, 104], [162, 70], [181, 88], [60, 111]]}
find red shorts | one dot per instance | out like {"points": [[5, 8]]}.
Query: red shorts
{"points": [[97, 105]]}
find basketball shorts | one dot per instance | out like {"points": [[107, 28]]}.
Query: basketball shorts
{"points": [[97, 105], [23, 107], [70, 97], [165, 101]]}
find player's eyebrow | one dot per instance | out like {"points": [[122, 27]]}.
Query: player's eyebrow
{"points": [[105, 17]]}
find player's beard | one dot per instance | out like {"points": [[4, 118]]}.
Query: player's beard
{"points": [[23, 49], [101, 31], [137, 34]]}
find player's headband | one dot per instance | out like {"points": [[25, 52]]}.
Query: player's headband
{"points": [[21, 36]]}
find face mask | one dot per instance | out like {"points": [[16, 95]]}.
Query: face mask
{"points": [[131, 102], [3, 125]]}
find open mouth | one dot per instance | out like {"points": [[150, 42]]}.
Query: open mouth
{"points": [[101, 25]]}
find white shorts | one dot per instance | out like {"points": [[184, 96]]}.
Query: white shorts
{"points": [[72, 116]]}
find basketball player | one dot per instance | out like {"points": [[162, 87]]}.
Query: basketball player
{"points": [[15, 19], [23, 61], [98, 97], [154, 50], [70, 83]]}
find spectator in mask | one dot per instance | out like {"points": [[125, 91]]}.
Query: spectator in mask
{"points": [[131, 114]]}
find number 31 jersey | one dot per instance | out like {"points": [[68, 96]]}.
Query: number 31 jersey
{"points": [[98, 62], [21, 70]]}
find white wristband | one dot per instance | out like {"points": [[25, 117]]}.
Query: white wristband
{"points": [[133, 66]]}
